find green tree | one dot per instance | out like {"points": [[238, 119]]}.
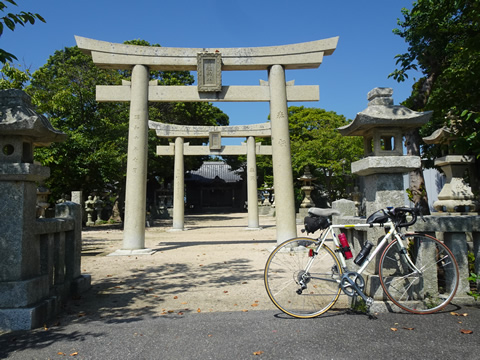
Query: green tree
{"points": [[11, 20], [316, 143], [12, 77], [443, 38], [94, 156]]}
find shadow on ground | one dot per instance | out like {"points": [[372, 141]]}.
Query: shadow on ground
{"points": [[140, 292]]}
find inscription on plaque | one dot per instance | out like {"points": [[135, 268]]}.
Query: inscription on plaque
{"points": [[209, 71], [215, 140]]}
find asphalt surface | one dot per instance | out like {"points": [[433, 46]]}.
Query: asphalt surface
{"points": [[137, 308], [451, 334]]}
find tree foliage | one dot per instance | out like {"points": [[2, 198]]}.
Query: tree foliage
{"points": [[12, 77], [316, 143], [94, 156], [11, 20], [443, 38]]}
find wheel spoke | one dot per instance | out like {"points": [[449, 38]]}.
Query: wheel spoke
{"points": [[426, 290], [287, 266]]}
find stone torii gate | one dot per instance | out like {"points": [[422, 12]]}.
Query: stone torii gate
{"points": [[209, 64], [214, 133]]}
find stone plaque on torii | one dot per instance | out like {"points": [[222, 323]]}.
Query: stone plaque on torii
{"points": [[141, 59]]}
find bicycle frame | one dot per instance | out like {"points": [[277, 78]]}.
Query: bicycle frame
{"points": [[330, 233]]}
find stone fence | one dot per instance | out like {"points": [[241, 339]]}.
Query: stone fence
{"points": [[29, 299], [460, 233]]}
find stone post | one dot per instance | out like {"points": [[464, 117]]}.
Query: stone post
{"points": [[476, 252], [136, 187], [281, 156], [178, 186], [253, 222], [457, 242]]}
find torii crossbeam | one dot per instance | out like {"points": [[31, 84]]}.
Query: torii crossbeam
{"points": [[209, 63]]}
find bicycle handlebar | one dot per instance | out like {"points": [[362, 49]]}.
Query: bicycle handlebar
{"points": [[398, 215]]}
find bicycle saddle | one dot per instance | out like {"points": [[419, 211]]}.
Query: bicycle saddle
{"points": [[322, 212]]}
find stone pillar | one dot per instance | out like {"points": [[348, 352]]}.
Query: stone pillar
{"points": [[476, 252], [252, 197], [136, 187], [178, 186], [457, 242], [281, 156]]}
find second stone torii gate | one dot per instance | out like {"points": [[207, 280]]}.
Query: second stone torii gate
{"points": [[209, 64], [179, 149]]}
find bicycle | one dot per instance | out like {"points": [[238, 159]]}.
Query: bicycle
{"points": [[304, 277]]}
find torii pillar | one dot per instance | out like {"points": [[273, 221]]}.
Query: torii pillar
{"points": [[209, 63], [252, 196], [251, 149], [281, 155], [136, 187], [178, 186]]}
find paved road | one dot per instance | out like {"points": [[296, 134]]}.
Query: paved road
{"points": [[255, 335]]}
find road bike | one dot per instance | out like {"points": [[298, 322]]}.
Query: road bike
{"points": [[304, 277]]}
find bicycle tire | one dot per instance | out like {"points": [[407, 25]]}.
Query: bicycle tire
{"points": [[285, 266], [425, 292]]}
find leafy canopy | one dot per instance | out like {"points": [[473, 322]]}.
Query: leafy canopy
{"points": [[11, 20], [443, 38], [316, 143], [94, 156], [11, 77]]}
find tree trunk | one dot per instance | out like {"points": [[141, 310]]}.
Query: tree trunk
{"points": [[417, 190]]}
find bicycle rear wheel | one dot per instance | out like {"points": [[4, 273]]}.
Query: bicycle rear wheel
{"points": [[285, 271], [425, 291]]}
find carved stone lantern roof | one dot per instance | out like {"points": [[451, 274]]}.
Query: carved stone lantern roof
{"points": [[21, 129], [18, 118], [307, 176], [381, 113], [443, 135]]}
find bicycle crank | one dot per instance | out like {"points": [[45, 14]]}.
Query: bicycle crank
{"points": [[352, 284]]}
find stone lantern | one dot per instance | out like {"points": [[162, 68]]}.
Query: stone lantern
{"points": [[382, 126], [21, 129], [23, 282], [456, 195], [42, 200], [307, 188]]}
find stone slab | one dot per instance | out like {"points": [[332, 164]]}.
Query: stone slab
{"points": [[192, 131], [23, 172], [135, 252], [385, 164], [107, 93], [29, 317], [206, 151], [293, 56], [14, 294]]}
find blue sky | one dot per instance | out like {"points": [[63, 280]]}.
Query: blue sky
{"points": [[362, 61]]}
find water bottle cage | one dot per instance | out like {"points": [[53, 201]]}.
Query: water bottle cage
{"points": [[344, 249]]}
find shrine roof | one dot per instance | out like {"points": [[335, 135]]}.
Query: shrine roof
{"points": [[212, 171]]}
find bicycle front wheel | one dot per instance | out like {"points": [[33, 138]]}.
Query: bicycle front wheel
{"points": [[302, 281], [428, 286]]}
